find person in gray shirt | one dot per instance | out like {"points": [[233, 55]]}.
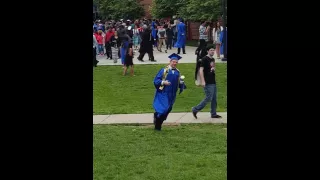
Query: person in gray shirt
{"points": [[161, 36]]}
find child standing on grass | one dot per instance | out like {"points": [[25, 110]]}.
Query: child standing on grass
{"points": [[128, 60]]}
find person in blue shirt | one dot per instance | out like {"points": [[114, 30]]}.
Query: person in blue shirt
{"points": [[166, 82], [95, 27], [181, 36]]}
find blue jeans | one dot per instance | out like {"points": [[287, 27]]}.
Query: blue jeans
{"points": [[101, 48], [211, 96]]}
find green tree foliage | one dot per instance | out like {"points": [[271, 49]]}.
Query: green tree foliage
{"points": [[165, 8], [194, 10], [117, 9], [197, 10]]}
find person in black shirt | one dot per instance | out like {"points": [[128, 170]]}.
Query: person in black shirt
{"points": [[200, 52], [208, 82], [146, 44], [170, 34]]}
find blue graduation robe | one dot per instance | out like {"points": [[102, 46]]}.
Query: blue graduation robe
{"points": [[165, 98], [123, 51], [221, 40], [181, 36], [153, 30]]}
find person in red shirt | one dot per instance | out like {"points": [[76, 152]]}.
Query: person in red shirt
{"points": [[100, 42], [108, 36]]}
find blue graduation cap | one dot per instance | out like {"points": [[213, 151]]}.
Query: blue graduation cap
{"points": [[174, 56]]}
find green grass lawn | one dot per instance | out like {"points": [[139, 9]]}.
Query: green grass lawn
{"points": [[117, 94], [187, 152]]}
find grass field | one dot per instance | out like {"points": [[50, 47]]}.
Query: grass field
{"points": [[117, 94], [187, 152]]}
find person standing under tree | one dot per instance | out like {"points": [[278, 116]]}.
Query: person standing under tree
{"points": [[203, 31], [181, 36]]}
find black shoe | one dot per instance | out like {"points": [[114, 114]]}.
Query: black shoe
{"points": [[184, 53], [154, 118], [140, 60], [157, 126], [194, 114], [215, 116], [165, 51], [153, 60]]}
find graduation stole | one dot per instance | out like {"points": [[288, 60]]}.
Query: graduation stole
{"points": [[164, 76]]}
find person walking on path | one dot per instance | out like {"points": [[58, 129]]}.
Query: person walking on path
{"points": [[208, 82], [146, 44]]}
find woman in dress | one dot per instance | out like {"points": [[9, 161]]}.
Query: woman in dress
{"points": [[136, 37], [216, 33]]}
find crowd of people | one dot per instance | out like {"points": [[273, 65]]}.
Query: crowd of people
{"points": [[116, 39]]}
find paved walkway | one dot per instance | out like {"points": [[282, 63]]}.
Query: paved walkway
{"points": [[160, 57], [173, 118]]}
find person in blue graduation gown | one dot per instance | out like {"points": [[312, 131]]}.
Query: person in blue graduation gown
{"points": [[166, 82], [221, 40], [154, 32], [123, 51], [181, 37]]}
